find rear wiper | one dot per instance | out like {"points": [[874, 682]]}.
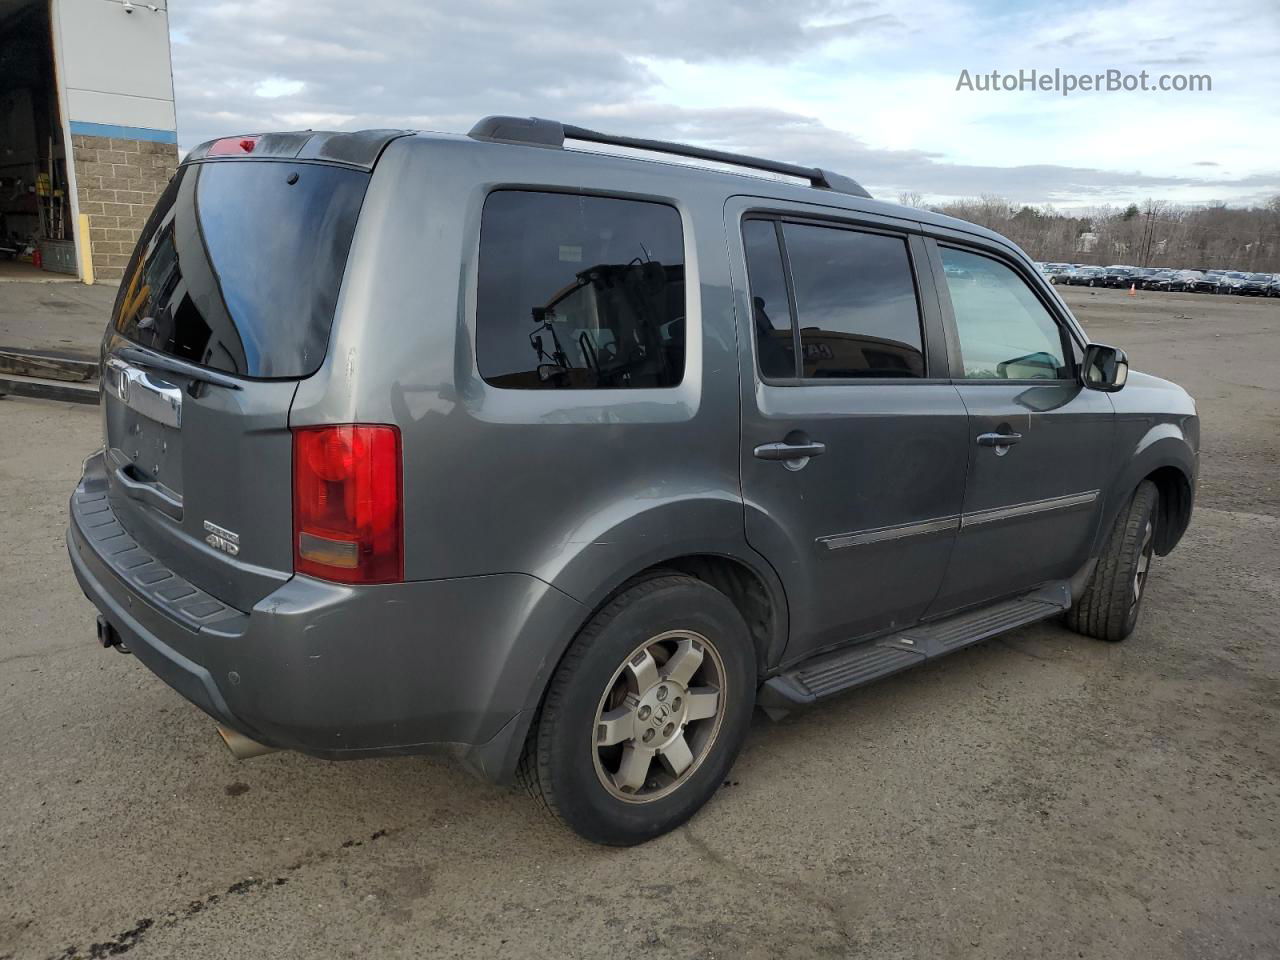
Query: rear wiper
{"points": [[158, 361]]}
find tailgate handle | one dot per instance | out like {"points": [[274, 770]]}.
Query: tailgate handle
{"points": [[156, 399], [152, 494]]}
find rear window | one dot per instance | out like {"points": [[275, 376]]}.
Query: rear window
{"points": [[579, 292], [239, 265]]}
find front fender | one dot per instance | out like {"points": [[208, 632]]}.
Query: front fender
{"points": [[1144, 448]]}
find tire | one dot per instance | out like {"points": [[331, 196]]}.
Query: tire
{"points": [[1110, 604], [607, 706]]}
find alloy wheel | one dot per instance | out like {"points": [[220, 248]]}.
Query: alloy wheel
{"points": [[659, 716]]}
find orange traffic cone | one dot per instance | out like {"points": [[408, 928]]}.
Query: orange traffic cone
{"points": [[1133, 289]]}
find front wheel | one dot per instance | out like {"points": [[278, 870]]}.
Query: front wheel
{"points": [[645, 714], [1108, 609]]}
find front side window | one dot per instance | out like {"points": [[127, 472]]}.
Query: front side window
{"points": [[579, 292], [1005, 332]]}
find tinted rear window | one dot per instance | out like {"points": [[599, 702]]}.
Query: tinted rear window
{"points": [[239, 265]]}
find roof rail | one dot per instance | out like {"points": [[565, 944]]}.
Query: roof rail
{"points": [[553, 133]]}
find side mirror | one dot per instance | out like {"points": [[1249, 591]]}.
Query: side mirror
{"points": [[1104, 368]]}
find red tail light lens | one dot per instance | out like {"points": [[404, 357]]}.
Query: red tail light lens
{"points": [[347, 516]]}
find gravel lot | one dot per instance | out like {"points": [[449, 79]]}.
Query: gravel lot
{"points": [[1040, 795]]}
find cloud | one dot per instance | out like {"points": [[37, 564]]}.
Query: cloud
{"points": [[865, 87], [273, 87], [885, 173]]}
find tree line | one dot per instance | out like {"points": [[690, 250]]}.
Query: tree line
{"points": [[1153, 234]]}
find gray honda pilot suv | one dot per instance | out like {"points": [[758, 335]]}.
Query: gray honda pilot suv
{"points": [[563, 460]]}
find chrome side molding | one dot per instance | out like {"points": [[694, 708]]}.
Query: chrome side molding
{"points": [[1026, 509], [897, 532], [856, 538]]}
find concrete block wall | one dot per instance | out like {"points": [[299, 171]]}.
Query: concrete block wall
{"points": [[117, 184]]}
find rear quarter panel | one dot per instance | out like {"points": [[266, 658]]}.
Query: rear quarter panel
{"points": [[580, 488]]}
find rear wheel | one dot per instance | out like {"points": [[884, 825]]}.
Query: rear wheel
{"points": [[645, 714], [1109, 607]]}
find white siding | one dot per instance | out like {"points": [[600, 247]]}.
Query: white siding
{"points": [[114, 66]]}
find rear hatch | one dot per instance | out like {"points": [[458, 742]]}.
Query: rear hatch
{"points": [[225, 306]]}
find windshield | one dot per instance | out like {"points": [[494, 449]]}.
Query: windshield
{"points": [[239, 265]]}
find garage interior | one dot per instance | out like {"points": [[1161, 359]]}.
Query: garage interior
{"points": [[36, 222]]}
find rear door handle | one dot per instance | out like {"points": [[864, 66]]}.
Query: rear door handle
{"points": [[790, 451], [998, 439]]}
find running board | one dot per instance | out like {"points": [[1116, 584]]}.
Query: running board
{"points": [[864, 663]]}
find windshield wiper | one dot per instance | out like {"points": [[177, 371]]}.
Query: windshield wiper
{"points": [[158, 361]]}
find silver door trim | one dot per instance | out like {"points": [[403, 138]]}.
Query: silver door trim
{"points": [[836, 541], [858, 538], [1027, 509]]}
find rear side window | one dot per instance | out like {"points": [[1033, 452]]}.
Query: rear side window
{"points": [[1005, 331], [855, 303], [853, 300], [770, 312], [579, 292], [238, 267]]}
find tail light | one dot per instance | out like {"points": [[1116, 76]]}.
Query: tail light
{"points": [[348, 521]]}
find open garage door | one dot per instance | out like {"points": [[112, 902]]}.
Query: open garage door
{"points": [[36, 219]]}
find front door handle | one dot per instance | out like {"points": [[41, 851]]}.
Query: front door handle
{"points": [[790, 451], [998, 439]]}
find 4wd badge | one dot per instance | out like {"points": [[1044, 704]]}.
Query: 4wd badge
{"points": [[220, 538]]}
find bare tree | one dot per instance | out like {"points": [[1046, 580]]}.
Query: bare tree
{"points": [[1154, 233]]}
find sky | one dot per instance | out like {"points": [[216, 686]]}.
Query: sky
{"points": [[867, 88]]}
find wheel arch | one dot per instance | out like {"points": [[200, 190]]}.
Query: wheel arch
{"points": [[1173, 510], [1165, 457]]}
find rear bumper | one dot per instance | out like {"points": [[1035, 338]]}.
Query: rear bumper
{"points": [[332, 670]]}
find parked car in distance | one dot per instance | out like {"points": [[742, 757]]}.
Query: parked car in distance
{"points": [[1231, 281], [1060, 272], [1207, 282], [1184, 280], [1159, 279], [1255, 285], [1118, 275], [574, 517], [1140, 275], [1085, 277]]}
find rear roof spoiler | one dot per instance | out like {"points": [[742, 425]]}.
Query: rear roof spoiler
{"points": [[536, 131], [359, 149]]}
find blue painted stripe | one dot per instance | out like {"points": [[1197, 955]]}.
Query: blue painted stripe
{"points": [[123, 133]]}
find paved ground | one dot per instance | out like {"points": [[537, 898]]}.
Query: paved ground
{"points": [[1039, 796], [56, 317]]}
